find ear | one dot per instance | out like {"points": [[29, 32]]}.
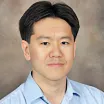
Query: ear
{"points": [[25, 48], [74, 48]]}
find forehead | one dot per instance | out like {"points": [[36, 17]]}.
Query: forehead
{"points": [[52, 27]]}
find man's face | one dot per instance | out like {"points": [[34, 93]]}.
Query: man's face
{"points": [[51, 49]]}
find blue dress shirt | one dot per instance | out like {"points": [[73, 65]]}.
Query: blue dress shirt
{"points": [[76, 93]]}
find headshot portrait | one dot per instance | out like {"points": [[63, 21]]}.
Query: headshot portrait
{"points": [[52, 52]]}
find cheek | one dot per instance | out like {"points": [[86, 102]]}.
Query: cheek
{"points": [[69, 54], [38, 54], [33, 54]]}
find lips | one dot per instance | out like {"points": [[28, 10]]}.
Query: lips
{"points": [[55, 64]]}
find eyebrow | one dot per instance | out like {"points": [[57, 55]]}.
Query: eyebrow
{"points": [[46, 37], [43, 37], [66, 37]]}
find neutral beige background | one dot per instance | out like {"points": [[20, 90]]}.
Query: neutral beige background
{"points": [[89, 62]]}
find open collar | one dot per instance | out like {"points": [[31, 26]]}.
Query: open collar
{"points": [[31, 90]]}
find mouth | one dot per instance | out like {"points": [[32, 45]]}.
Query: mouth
{"points": [[55, 65]]}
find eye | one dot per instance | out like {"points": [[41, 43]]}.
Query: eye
{"points": [[65, 43], [45, 43]]}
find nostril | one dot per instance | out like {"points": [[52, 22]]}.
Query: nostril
{"points": [[56, 53]]}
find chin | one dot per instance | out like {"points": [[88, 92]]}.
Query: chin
{"points": [[56, 77]]}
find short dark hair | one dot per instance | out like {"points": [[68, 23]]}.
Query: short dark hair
{"points": [[43, 9]]}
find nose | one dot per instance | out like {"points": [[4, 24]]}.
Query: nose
{"points": [[56, 51]]}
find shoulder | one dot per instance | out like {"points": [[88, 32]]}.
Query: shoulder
{"points": [[14, 97], [84, 88], [88, 92]]}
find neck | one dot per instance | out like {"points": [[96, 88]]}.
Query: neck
{"points": [[51, 88]]}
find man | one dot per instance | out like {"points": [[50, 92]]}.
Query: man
{"points": [[48, 33]]}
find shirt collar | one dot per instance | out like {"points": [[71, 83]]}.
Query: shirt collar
{"points": [[71, 90], [31, 90]]}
